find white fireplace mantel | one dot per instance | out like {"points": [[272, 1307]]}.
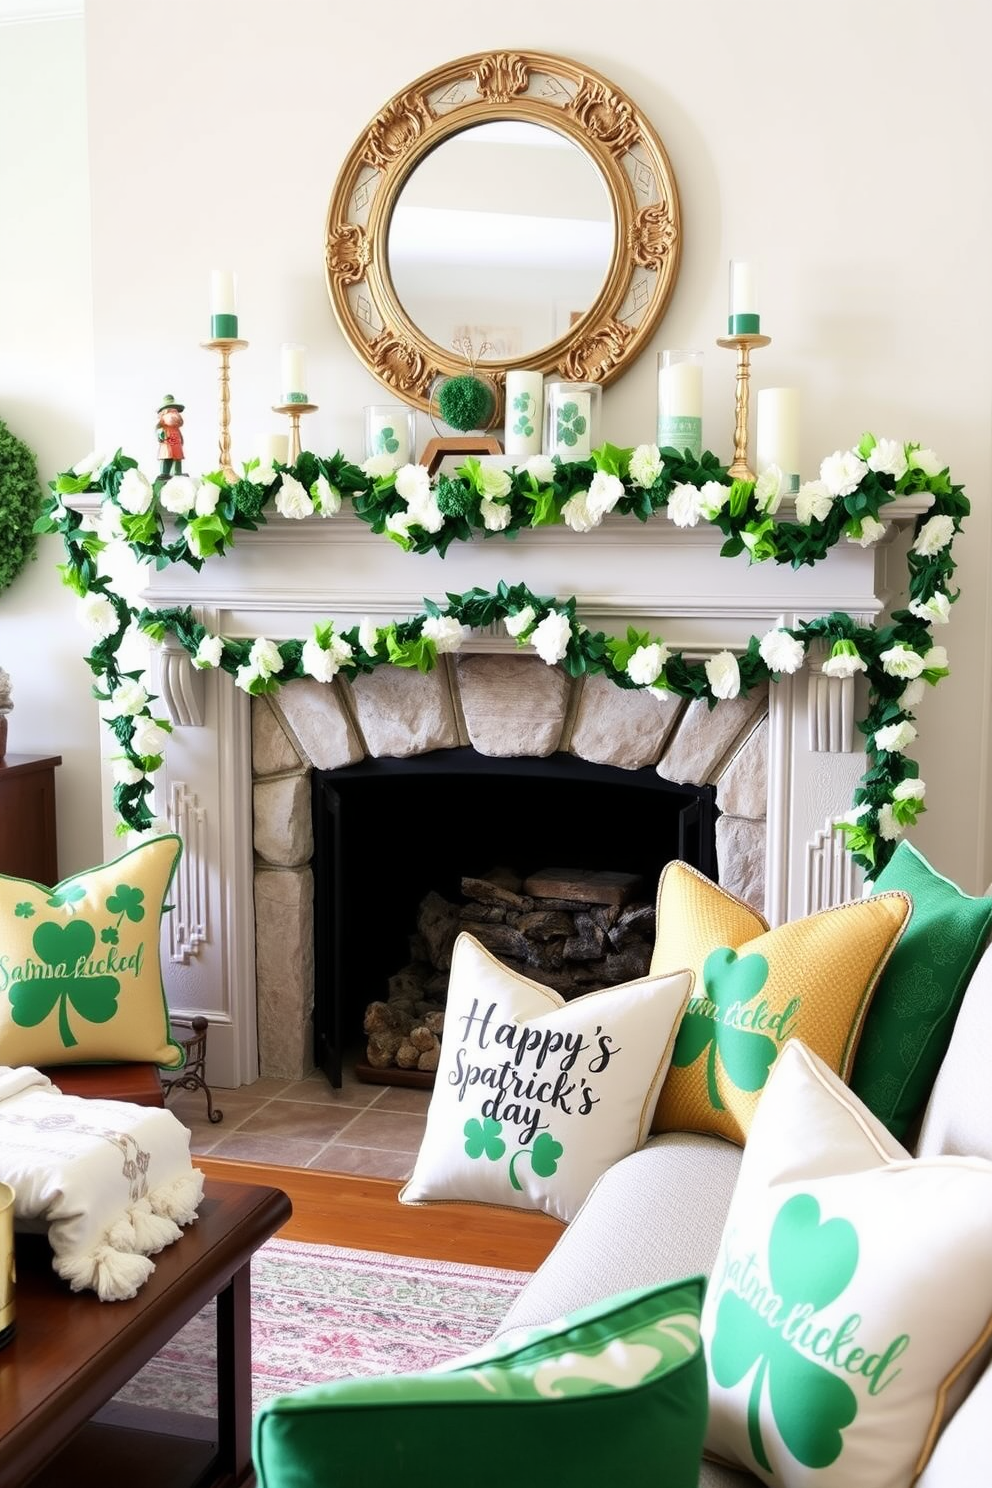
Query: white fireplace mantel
{"points": [[283, 578]]}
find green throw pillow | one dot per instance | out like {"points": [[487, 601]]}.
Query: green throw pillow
{"points": [[909, 1023], [613, 1393]]}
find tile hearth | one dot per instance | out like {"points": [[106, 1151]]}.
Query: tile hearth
{"points": [[370, 1130]]}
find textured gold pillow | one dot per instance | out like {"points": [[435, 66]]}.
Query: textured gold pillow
{"points": [[756, 988], [80, 968]]}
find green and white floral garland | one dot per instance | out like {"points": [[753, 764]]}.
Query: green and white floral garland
{"points": [[422, 515]]}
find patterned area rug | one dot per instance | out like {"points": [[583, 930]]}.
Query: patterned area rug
{"points": [[320, 1312]]}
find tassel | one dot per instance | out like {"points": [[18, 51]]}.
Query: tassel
{"points": [[113, 1276], [179, 1199], [152, 1232]]}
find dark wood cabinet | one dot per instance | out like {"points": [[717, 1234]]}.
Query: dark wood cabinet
{"points": [[28, 847]]}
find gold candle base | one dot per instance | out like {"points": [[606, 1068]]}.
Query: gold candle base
{"points": [[743, 345], [293, 411], [224, 345]]}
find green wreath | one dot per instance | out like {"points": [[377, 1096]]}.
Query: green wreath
{"points": [[20, 504]]}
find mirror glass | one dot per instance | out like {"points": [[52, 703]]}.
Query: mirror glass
{"points": [[502, 236]]}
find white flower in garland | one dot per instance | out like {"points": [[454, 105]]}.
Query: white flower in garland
{"points": [[781, 652], [109, 526], [324, 662], [327, 498], [261, 475], [542, 468], [842, 472], [495, 514], [520, 622], [645, 465], [292, 499], [647, 663], [178, 495], [126, 773], [909, 790], [577, 513], [413, 484], [901, 661], [207, 497], [888, 458], [844, 660], [724, 675], [93, 464], [368, 635], [97, 613], [913, 693], [551, 637], [604, 492], [265, 658], [769, 489], [149, 738], [208, 652], [895, 737], [378, 466], [128, 698], [445, 631], [685, 505], [813, 503], [936, 610], [136, 493], [399, 523], [935, 664], [493, 482], [889, 828], [865, 531], [426, 513], [713, 497], [923, 460], [933, 536], [246, 676]]}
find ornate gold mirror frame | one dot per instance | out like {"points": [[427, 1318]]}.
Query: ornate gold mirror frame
{"points": [[486, 87]]}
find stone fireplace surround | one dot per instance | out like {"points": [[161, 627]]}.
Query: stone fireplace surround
{"points": [[238, 944]]}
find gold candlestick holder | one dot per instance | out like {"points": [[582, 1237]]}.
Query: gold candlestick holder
{"points": [[293, 411], [743, 345], [224, 345]]}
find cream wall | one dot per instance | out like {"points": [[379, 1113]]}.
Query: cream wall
{"points": [[843, 150]]}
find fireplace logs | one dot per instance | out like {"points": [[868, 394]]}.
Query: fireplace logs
{"points": [[575, 931]]}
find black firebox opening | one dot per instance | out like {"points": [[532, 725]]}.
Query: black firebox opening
{"points": [[388, 831]]}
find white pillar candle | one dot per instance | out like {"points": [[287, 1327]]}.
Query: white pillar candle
{"points": [[680, 401], [524, 414], [743, 318], [388, 432], [273, 447], [223, 305], [778, 432], [294, 375]]}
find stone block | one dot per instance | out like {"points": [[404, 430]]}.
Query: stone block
{"points": [[272, 751], [742, 789], [318, 721], [284, 971], [740, 854], [512, 705], [614, 726], [402, 713], [283, 833], [706, 736]]}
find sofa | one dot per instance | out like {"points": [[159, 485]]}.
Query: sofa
{"points": [[658, 1214]]}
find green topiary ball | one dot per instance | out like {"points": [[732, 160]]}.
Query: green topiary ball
{"points": [[20, 503], [465, 403], [454, 497]]}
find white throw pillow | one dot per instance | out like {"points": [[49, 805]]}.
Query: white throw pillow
{"points": [[535, 1097], [851, 1291]]}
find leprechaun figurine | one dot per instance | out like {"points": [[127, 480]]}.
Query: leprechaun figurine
{"points": [[170, 439]]}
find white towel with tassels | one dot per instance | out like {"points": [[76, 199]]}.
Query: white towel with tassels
{"points": [[112, 1182]]}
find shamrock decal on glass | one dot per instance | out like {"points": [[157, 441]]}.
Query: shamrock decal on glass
{"points": [[62, 948], [730, 981], [482, 1139], [522, 405], [809, 1265], [544, 1153], [127, 901], [386, 442], [570, 424]]}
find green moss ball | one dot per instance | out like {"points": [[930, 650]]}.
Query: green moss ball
{"points": [[465, 403]]}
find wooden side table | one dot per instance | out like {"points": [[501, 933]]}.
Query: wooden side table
{"points": [[28, 847]]}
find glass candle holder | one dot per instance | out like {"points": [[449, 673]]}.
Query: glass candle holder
{"points": [[680, 401], [777, 433], [571, 419], [390, 429]]}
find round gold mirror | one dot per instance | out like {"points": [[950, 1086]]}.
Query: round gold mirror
{"points": [[515, 206]]}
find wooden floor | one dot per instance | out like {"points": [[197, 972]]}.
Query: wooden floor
{"points": [[366, 1214]]}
